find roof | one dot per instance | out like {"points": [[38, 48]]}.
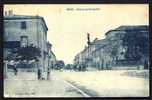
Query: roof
{"points": [[25, 17], [131, 27], [98, 49], [137, 27], [99, 42]]}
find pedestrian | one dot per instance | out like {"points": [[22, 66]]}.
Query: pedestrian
{"points": [[15, 68], [83, 67], [39, 73], [48, 73]]}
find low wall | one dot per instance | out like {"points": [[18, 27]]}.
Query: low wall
{"points": [[127, 68]]}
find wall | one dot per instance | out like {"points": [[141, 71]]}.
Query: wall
{"points": [[36, 32], [13, 31]]}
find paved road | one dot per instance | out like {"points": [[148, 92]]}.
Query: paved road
{"points": [[109, 83], [79, 84], [26, 85]]}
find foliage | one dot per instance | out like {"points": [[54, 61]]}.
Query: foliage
{"points": [[114, 51], [136, 43], [112, 48], [60, 64], [69, 66], [27, 53]]}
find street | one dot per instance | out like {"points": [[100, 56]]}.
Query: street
{"points": [[25, 84], [113, 83]]}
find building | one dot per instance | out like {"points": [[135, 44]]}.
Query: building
{"points": [[51, 57], [117, 38], [111, 52], [22, 30], [101, 56], [87, 57]]}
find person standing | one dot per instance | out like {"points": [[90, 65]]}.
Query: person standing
{"points": [[15, 67], [48, 73]]}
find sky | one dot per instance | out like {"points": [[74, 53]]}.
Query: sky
{"points": [[68, 24]]}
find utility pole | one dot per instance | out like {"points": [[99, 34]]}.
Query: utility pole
{"points": [[88, 42], [88, 37]]}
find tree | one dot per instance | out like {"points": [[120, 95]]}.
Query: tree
{"points": [[114, 52], [136, 43], [28, 53], [25, 53], [60, 64], [111, 48], [68, 66]]}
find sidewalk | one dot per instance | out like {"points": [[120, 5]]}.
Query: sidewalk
{"points": [[25, 84]]}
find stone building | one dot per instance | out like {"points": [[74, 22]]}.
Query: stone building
{"points": [[87, 56], [101, 56], [113, 53], [116, 39], [22, 30], [52, 58], [109, 52]]}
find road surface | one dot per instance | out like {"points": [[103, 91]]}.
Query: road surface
{"points": [[25, 84], [112, 83], [109, 83]]}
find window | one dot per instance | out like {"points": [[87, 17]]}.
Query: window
{"points": [[23, 25], [24, 41]]}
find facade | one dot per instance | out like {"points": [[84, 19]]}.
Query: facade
{"points": [[117, 37], [53, 60], [109, 52], [101, 56], [51, 57], [21, 30], [87, 56]]}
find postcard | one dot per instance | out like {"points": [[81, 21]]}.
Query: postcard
{"points": [[76, 50]]}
